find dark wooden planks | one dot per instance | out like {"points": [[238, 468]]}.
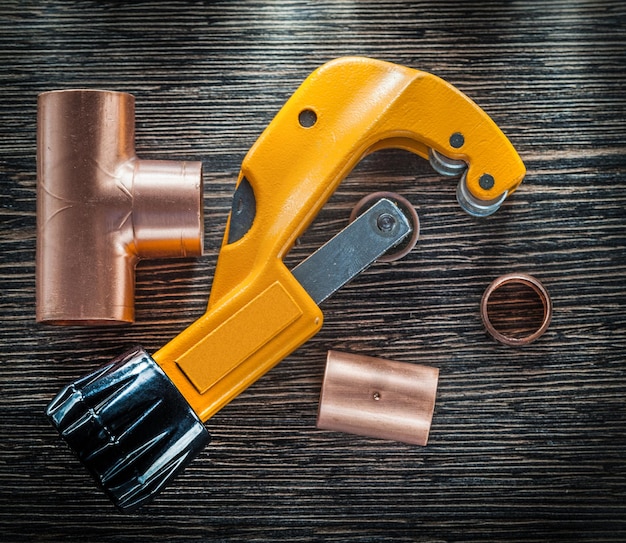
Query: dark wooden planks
{"points": [[526, 445]]}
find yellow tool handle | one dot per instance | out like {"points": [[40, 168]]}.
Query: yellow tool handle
{"points": [[258, 313]]}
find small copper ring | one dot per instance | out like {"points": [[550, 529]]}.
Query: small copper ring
{"points": [[404, 248], [524, 279]]}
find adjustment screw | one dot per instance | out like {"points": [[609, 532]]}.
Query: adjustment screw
{"points": [[385, 222], [486, 181]]}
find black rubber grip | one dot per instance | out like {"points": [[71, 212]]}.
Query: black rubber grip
{"points": [[130, 426]]}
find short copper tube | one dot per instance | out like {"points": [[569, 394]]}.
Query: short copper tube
{"points": [[516, 279], [100, 208], [377, 398]]}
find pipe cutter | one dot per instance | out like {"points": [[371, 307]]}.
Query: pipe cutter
{"points": [[138, 421]]}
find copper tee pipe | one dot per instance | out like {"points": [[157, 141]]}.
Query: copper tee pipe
{"points": [[100, 208]]}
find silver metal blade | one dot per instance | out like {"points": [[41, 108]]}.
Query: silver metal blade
{"points": [[355, 248]]}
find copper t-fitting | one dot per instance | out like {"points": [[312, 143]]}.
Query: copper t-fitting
{"points": [[100, 208]]}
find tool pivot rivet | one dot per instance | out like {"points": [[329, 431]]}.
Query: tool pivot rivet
{"points": [[457, 140], [486, 181], [307, 118], [385, 222]]}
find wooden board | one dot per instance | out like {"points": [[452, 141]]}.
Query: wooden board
{"points": [[526, 444]]}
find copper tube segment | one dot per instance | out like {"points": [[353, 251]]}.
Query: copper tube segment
{"points": [[516, 279], [377, 398], [100, 208]]}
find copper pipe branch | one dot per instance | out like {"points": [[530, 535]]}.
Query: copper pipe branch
{"points": [[100, 208]]}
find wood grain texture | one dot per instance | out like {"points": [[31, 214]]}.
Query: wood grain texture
{"points": [[526, 444]]}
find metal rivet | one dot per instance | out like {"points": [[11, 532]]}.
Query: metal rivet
{"points": [[376, 396], [407, 210], [307, 118], [385, 222], [486, 181], [457, 140]]}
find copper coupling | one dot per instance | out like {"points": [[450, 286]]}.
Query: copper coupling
{"points": [[377, 398], [100, 208]]}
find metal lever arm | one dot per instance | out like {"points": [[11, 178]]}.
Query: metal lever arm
{"points": [[221, 363]]}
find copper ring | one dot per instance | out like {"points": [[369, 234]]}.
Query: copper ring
{"points": [[406, 207], [524, 279]]}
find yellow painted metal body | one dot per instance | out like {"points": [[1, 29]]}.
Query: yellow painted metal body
{"points": [[258, 313]]}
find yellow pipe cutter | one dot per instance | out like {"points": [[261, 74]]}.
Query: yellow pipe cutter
{"points": [[139, 420]]}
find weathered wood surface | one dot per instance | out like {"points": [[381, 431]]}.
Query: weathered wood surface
{"points": [[526, 445]]}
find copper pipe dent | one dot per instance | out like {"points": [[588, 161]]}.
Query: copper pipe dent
{"points": [[100, 208]]}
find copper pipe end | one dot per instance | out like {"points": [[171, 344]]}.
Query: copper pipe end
{"points": [[168, 218], [516, 279], [100, 208], [377, 398]]}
